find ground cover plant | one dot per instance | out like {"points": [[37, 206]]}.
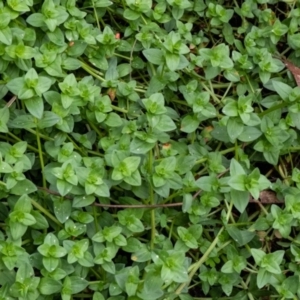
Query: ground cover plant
{"points": [[148, 149]]}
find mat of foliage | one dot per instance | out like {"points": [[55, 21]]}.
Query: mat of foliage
{"points": [[135, 139]]}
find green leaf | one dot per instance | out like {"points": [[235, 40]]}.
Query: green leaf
{"points": [[264, 76], [107, 234], [231, 108], [187, 237], [165, 124], [238, 183], [27, 219], [78, 284], [66, 290], [63, 187], [154, 56], [236, 168], [23, 121], [130, 220], [138, 146], [50, 263], [113, 120], [98, 296], [62, 209], [23, 204], [249, 134], [187, 202], [23, 187], [132, 162], [41, 221], [282, 89], [6, 36], [258, 255], [263, 278], [82, 201], [17, 230], [35, 106], [131, 15], [174, 269], [48, 119], [172, 61], [207, 183], [71, 64], [157, 83], [234, 128], [19, 6], [43, 85], [15, 85], [36, 20], [102, 3], [56, 37], [4, 117], [77, 49], [49, 286], [54, 69], [135, 179], [240, 199], [242, 237], [189, 123], [152, 288]]}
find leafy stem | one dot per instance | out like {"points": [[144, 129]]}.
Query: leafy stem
{"points": [[199, 263]]}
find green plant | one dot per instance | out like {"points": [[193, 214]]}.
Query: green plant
{"points": [[148, 150]]}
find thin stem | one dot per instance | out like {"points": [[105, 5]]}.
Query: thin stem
{"points": [[92, 68], [213, 95], [90, 71], [214, 85], [131, 57], [153, 227], [122, 56], [95, 128], [7, 138], [18, 139], [251, 87], [45, 212], [45, 137], [150, 206], [227, 91], [180, 102], [199, 263], [95, 153], [76, 146], [96, 15], [262, 208], [122, 110], [41, 157], [204, 159], [140, 90], [109, 10], [273, 108], [95, 273]]}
